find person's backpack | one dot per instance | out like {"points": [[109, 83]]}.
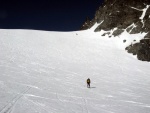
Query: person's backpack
{"points": [[88, 80]]}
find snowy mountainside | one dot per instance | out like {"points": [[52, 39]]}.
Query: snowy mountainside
{"points": [[119, 16], [46, 72]]}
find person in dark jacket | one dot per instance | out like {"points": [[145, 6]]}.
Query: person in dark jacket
{"points": [[88, 83]]}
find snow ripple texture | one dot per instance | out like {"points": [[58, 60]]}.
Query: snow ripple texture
{"points": [[46, 72]]}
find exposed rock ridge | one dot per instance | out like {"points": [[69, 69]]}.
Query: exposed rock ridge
{"points": [[130, 15]]}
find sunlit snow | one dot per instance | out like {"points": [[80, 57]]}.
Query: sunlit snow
{"points": [[46, 72], [143, 14]]}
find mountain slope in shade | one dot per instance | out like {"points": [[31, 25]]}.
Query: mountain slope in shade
{"points": [[46, 72]]}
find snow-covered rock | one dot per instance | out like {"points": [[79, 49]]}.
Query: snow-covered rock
{"points": [[121, 16]]}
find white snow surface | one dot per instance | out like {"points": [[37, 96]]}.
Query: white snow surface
{"points": [[46, 72], [96, 25], [143, 14]]}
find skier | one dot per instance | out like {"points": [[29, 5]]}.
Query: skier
{"points": [[88, 83]]}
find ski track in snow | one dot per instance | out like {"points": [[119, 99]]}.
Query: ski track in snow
{"points": [[9, 107], [46, 72]]}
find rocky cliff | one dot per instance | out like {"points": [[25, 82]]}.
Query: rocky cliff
{"points": [[130, 15]]}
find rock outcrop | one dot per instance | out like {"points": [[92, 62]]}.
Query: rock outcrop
{"points": [[130, 15], [87, 24], [142, 49]]}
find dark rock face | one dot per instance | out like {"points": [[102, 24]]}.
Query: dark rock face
{"points": [[125, 15], [121, 14], [87, 24], [142, 49], [134, 48], [117, 32]]}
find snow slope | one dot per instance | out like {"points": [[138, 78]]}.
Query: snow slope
{"points": [[46, 72]]}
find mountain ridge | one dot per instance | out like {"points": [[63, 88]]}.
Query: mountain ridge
{"points": [[132, 16]]}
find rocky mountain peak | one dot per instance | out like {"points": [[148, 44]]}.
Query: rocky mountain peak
{"points": [[130, 15], [87, 24]]}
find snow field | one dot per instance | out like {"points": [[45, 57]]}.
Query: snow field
{"points": [[46, 72]]}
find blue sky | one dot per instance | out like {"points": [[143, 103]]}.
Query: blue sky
{"points": [[52, 15]]}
